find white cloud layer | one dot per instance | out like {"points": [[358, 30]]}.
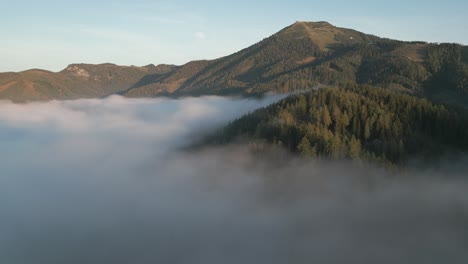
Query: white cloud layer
{"points": [[102, 181]]}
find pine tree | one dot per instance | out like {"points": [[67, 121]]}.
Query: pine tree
{"points": [[326, 118], [306, 149], [354, 151], [367, 130]]}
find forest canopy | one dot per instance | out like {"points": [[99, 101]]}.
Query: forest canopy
{"points": [[355, 122]]}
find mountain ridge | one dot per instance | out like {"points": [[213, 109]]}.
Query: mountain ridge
{"points": [[78, 80], [299, 56]]}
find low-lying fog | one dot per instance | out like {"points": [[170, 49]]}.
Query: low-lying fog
{"points": [[102, 181]]}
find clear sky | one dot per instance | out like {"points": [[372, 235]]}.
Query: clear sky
{"points": [[52, 34]]}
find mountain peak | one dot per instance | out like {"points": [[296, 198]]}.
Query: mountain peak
{"points": [[318, 24], [321, 33], [77, 70]]}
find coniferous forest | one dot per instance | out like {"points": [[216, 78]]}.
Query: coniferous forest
{"points": [[355, 122]]}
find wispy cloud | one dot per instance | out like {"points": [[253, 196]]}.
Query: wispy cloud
{"points": [[163, 20], [200, 35]]}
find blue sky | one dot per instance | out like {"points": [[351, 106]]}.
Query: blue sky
{"points": [[52, 34]]}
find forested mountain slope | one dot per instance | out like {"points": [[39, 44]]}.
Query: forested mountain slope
{"points": [[308, 54], [356, 122]]}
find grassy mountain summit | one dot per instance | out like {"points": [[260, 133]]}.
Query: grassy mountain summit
{"points": [[322, 34], [300, 56]]}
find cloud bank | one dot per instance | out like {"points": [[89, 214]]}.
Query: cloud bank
{"points": [[102, 181]]}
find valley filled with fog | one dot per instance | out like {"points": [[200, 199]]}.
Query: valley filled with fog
{"points": [[107, 181]]}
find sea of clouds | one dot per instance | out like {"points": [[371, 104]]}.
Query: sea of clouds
{"points": [[105, 181]]}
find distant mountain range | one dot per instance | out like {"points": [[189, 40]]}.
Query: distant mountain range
{"points": [[301, 56], [75, 81]]}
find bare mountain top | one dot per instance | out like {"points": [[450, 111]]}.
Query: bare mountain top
{"points": [[324, 34]]}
